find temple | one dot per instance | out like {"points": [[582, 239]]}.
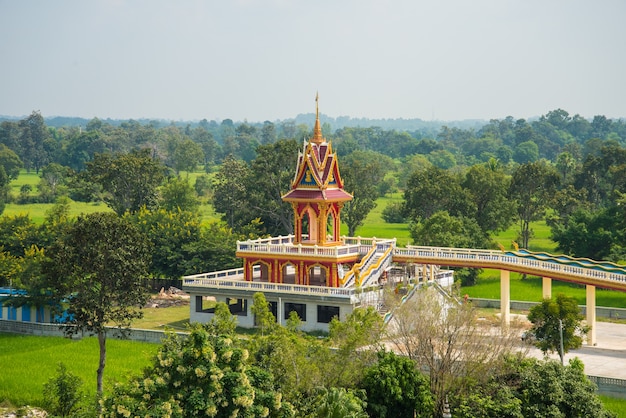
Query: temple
{"points": [[315, 272]]}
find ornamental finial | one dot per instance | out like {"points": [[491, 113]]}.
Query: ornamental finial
{"points": [[317, 129]]}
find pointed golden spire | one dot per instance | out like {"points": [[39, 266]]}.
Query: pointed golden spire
{"points": [[317, 129]]}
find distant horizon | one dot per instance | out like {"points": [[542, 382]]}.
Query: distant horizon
{"points": [[299, 115]]}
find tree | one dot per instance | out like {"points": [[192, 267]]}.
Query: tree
{"points": [[443, 230], [169, 232], [443, 335], [362, 172], [179, 194], [549, 389], [54, 179], [34, 134], [263, 317], [199, 376], [187, 155], [532, 188], [271, 174], [431, 190], [95, 270], [339, 403], [130, 180], [223, 322], [10, 161], [488, 186], [230, 192], [213, 250], [557, 325], [395, 388]]}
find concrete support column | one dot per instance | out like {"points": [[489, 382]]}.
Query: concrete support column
{"points": [[547, 287], [591, 314], [505, 297], [424, 273], [432, 272]]}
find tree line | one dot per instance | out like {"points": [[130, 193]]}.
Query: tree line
{"points": [[459, 186]]}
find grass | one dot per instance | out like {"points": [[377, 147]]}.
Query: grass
{"points": [[375, 226], [27, 362], [615, 405], [530, 289], [174, 318]]}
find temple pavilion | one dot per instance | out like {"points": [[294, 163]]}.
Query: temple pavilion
{"points": [[315, 272]]}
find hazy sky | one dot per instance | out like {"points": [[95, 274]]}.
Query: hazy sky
{"points": [[266, 59]]}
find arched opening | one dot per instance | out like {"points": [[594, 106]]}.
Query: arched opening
{"points": [[290, 273], [309, 226], [317, 275], [260, 272]]}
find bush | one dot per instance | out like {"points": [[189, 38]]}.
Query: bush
{"points": [[62, 393]]}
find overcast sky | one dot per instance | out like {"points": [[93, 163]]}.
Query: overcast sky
{"points": [[266, 59]]}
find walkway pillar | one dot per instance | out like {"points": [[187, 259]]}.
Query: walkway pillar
{"points": [[591, 314], [505, 297], [547, 287]]}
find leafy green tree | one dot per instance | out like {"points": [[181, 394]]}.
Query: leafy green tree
{"points": [[532, 188], [444, 230], [32, 150], [549, 389], [203, 186], [199, 376], [187, 155], [594, 235], [443, 159], [130, 180], [488, 186], [491, 400], [271, 174], [339, 403], [526, 152], [213, 250], [431, 190], [17, 233], [53, 183], [263, 317], [62, 393], [80, 148], [5, 189], [169, 233], [362, 172], [557, 325], [179, 194], [10, 161], [223, 322], [230, 192], [396, 388], [393, 213], [364, 327], [95, 270]]}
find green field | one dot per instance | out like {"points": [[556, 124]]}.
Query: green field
{"points": [[27, 362]]}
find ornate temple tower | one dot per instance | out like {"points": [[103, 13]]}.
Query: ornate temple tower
{"points": [[317, 194], [315, 254]]}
